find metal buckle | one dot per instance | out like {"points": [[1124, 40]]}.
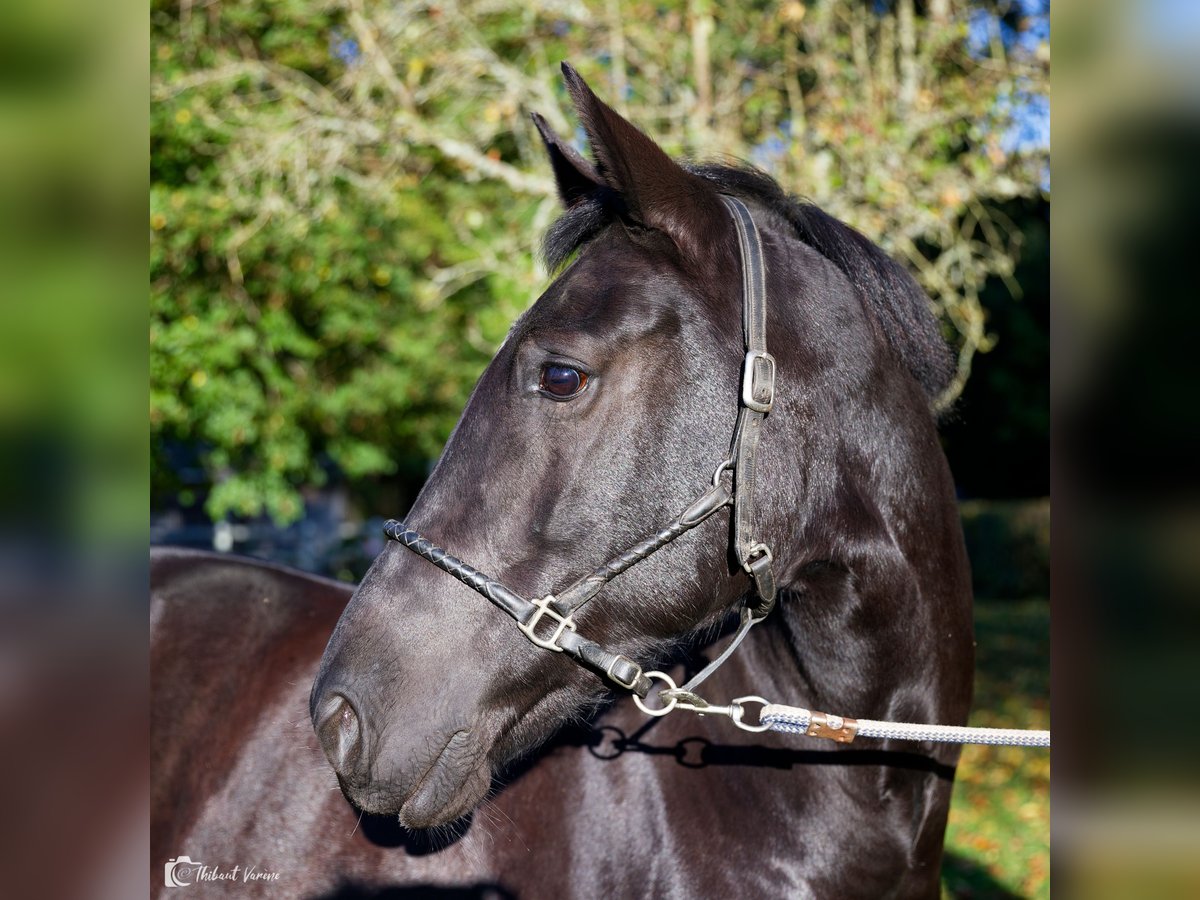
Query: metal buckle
{"points": [[758, 381], [632, 681], [756, 553], [543, 609]]}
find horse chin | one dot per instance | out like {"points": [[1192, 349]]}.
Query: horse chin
{"points": [[442, 800], [446, 789]]}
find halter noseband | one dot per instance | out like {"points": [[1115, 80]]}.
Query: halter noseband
{"points": [[549, 622]]}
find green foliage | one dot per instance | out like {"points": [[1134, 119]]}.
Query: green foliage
{"points": [[284, 343], [345, 198]]}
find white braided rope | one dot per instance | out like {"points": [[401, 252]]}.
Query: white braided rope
{"points": [[795, 720]]}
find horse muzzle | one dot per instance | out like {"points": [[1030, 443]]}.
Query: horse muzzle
{"points": [[428, 774]]}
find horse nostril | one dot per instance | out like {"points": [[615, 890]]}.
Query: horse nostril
{"points": [[340, 732]]}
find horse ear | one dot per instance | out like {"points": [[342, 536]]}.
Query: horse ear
{"points": [[576, 177], [657, 192]]}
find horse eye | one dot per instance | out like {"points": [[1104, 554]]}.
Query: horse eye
{"points": [[562, 382]]}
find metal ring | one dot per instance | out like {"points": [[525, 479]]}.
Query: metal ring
{"points": [[662, 710], [736, 711], [726, 465]]}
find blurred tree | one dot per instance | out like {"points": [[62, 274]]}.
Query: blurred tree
{"points": [[346, 200]]}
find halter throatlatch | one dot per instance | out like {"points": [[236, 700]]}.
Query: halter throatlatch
{"points": [[548, 622]]}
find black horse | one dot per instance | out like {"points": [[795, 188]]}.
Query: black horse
{"points": [[603, 415]]}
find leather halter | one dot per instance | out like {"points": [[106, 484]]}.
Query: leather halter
{"points": [[549, 622]]}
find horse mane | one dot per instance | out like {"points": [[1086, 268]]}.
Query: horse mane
{"points": [[891, 296]]}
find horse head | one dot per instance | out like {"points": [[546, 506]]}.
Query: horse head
{"points": [[603, 414]]}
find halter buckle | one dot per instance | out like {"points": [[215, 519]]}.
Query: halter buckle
{"points": [[637, 672], [564, 623], [758, 381], [758, 553]]}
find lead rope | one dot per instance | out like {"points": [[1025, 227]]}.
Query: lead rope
{"points": [[795, 720], [840, 729]]}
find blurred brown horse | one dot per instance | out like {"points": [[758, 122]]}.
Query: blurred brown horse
{"points": [[604, 411]]}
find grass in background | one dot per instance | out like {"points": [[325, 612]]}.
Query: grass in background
{"points": [[998, 840]]}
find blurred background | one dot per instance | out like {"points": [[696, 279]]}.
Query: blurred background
{"points": [[344, 205]]}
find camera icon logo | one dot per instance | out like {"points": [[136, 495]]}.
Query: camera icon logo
{"points": [[178, 872]]}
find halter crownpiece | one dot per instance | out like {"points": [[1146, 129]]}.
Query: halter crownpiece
{"points": [[548, 622]]}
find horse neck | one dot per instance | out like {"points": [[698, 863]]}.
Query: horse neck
{"points": [[874, 615]]}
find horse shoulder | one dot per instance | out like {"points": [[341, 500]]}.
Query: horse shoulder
{"points": [[234, 645]]}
